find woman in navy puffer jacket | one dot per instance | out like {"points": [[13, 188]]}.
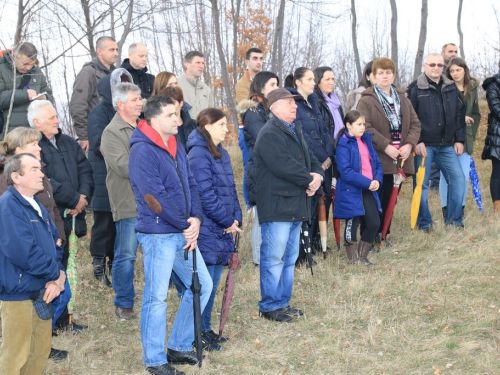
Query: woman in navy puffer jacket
{"points": [[211, 167]]}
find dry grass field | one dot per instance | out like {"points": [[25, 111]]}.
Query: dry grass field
{"points": [[430, 306]]}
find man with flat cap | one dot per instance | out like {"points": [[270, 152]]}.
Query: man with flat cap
{"points": [[287, 175]]}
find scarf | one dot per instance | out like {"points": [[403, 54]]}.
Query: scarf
{"points": [[392, 114], [333, 103]]}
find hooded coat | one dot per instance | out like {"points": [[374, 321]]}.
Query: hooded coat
{"points": [[164, 187], [34, 79], [350, 185], [219, 200], [99, 118], [492, 142], [141, 78]]}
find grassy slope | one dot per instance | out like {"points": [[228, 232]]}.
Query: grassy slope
{"points": [[430, 306]]}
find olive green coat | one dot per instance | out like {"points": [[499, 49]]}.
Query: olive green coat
{"points": [[472, 110], [37, 82]]}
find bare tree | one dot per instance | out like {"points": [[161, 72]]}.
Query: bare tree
{"points": [[222, 58], [236, 17], [277, 51], [394, 38], [25, 8], [459, 28], [355, 39], [421, 40]]}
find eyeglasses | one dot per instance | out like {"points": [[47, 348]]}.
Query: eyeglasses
{"points": [[433, 65]]}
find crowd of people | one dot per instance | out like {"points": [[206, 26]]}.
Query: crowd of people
{"points": [[149, 162]]}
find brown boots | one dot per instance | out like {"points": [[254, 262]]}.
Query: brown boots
{"points": [[352, 252], [363, 250], [358, 253], [496, 206]]}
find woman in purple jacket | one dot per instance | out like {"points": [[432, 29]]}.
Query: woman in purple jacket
{"points": [[211, 167]]}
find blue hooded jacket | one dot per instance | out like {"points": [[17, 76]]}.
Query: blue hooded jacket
{"points": [[219, 199], [348, 198], [29, 257], [164, 187]]}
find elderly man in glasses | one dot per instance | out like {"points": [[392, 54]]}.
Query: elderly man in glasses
{"points": [[441, 112]]}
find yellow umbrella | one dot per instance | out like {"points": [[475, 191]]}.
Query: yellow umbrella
{"points": [[417, 194]]}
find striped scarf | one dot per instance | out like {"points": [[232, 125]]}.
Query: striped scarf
{"points": [[393, 115]]}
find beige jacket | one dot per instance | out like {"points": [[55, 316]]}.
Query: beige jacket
{"points": [[242, 90], [115, 149], [352, 100], [196, 93]]}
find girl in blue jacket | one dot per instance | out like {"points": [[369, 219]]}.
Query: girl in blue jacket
{"points": [[356, 199], [213, 173]]}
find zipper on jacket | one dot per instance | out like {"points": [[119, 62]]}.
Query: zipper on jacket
{"points": [[183, 188], [157, 219]]}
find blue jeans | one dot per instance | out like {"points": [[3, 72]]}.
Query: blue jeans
{"points": [[60, 302], [278, 253], [256, 237], [245, 156], [443, 185], [162, 254], [215, 273], [123, 263], [447, 160]]}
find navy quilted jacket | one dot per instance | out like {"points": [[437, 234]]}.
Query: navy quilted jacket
{"points": [[219, 199], [164, 187]]}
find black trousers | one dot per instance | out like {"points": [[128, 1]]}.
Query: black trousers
{"points": [[384, 194], [370, 222], [495, 179], [102, 242]]}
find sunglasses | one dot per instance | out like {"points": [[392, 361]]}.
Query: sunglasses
{"points": [[433, 65]]}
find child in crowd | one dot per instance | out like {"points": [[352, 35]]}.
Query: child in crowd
{"points": [[356, 199]]}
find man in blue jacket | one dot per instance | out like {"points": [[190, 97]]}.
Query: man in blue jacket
{"points": [[29, 265], [440, 109], [287, 175], [169, 216]]}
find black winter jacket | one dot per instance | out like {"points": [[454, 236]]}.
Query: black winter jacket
{"points": [[100, 117], [425, 101], [492, 142], [69, 171], [254, 118], [282, 173], [141, 78], [188, 125]]}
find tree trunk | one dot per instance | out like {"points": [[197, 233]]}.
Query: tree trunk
{"points": [[354, 40], [20, 22], [394, 38], [421, 40], [277, 52], [236, 17], [89, 27], [459, 27], [222, 58], [126, 31]]}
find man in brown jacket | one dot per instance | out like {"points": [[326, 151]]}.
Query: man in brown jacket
{"points": [[85, 95], [254, 59], [115, 149]]}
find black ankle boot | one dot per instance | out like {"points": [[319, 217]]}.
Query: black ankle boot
{"points": [[445, 211], [98, 263]]}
